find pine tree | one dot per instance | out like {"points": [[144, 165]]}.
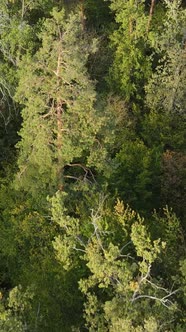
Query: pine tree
{"points": [[59, 123]]}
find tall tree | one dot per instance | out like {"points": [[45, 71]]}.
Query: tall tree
{"points": [[164, 124], [132, 65], [16, 35], [59, 118], [166, 89]]}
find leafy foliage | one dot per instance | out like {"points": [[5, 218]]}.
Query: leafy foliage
{"points": [[121, 271], [92, 109]]}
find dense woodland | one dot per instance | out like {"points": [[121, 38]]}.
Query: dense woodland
{"points": [[92, 165]]}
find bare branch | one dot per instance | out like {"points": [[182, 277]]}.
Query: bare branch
{"points": [[72, 177], [78, 249], [86, 170], [125, 256], [164, 300], [96, 231], [80, 241], [125, 246], [158, 287]]}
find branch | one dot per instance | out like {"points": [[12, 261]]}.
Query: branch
{"points": [[80, 241], [78, 249], [47, 114], [72, 177], [125, 256], [86, 170], [164, 300], [22, 171], [125, 246], [96, 230], [158, 287], [141, 280], [37, 316]]}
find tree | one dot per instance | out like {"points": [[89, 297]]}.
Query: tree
{"points": [[173, 181], [16, 35], [164, 122], [132, 66], [13, 314], [28, 259], [166, 89], [135, 175], [59, 119], [121, 259]]}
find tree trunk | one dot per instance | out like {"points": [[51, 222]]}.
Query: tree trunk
{"points": [[59, 146], [59, 113], [150, 14]]}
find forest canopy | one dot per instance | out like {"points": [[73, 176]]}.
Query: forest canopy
{"points": [[92, 165]]}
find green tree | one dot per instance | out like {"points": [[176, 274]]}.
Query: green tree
{"points": [[166, 88], [132, 65], [154, 98], [16, 35], [14, 310], [135, 175], [60, 122], [28, 259], [163, 125], [121, 258]]}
